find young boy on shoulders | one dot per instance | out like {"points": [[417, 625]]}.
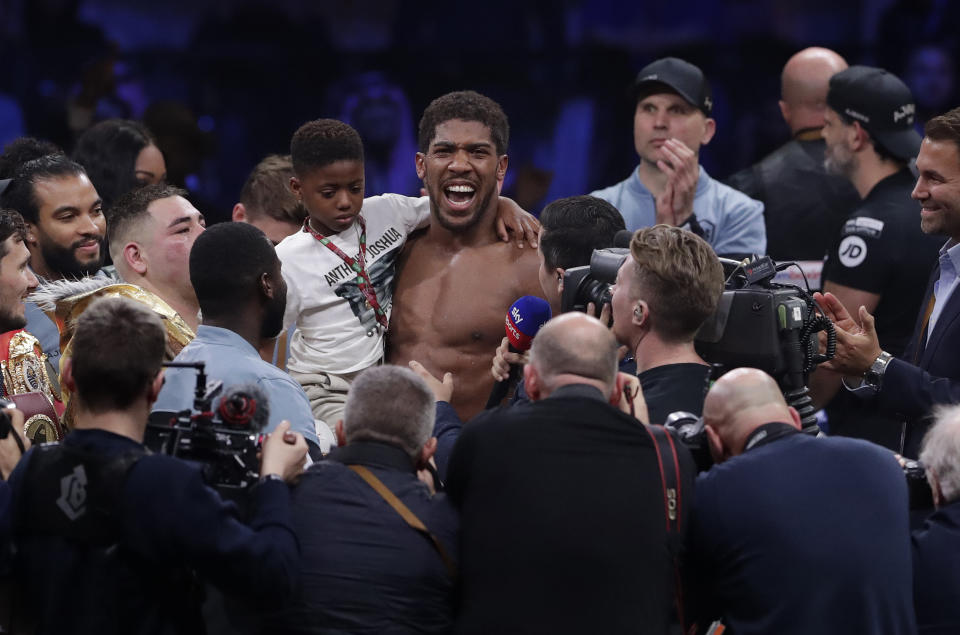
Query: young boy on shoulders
{"points": [[339, 268]]}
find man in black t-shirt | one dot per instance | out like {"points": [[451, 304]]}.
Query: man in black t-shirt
{"points": [[881, 258], [667, 287]]}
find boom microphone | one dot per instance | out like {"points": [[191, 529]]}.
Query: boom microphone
{"points": [[525, 317], [244, 406]]}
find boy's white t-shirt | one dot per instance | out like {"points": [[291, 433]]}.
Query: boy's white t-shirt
{"points": [[336, 332]]}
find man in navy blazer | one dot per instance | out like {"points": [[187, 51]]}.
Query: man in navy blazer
{"points": [[794, 534], [936, 545], [928, 373]]}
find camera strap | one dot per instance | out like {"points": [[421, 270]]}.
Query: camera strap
{"points": [[768, 433], [669, 467], [405, 512]]}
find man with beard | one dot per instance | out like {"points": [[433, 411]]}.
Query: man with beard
{"points": [[236, 275], [457, 279], [24, 377], [16, 279], [881, 259], [65, 230], [151, 232]]}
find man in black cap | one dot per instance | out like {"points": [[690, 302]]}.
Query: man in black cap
{"points": [[927, 374], [881, 258], [671, 122]]}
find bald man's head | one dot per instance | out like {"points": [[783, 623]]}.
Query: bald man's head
{"points": [[804, 84], [737, 404], [574, 348]]}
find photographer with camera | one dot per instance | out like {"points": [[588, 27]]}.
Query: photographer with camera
{"points": [[936, 545], [366, 566], [665, 290], [110, 538], [235, 272], [792, 533], [565, 490]]}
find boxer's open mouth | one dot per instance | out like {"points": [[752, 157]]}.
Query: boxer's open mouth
{"points": [[459, 195]]}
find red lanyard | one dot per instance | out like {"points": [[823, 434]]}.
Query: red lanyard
{"points": [[357, 264]]}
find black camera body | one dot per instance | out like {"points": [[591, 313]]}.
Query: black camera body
{"points": [[225, 441], [758, 323], [762, 324], [592, 283]]}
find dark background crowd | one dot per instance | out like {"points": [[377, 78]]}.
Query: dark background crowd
{"points": [[418, 511], [221, 84]]}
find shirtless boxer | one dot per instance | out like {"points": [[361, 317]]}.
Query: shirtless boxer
{"points": [[457, 279]]}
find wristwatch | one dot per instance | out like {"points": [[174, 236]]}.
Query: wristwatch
{"points": [[270, 477], [874, 375]]}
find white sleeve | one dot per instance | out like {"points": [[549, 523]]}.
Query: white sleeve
{"points": [[409, 212], [292, 310]]}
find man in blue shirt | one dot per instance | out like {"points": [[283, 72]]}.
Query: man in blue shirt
{"points": [[236, 275], [671, 122]]}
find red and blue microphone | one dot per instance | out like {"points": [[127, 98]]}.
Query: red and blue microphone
{"points": [[524, 318]]}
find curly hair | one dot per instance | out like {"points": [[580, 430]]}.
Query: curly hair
{"points": [[11, 224], [468, 106], [21, 150], [321, 142]]}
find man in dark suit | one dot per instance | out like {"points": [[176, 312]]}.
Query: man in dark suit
{"points": [[563, 523], [928, 373], [936, 545], [793, 533]]}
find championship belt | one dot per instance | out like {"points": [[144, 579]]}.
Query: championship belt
{"points": [[28, 383], [65, 301]]}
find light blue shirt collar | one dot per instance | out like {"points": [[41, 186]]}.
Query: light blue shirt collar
{"points": [[946, 284], [217, 336]]}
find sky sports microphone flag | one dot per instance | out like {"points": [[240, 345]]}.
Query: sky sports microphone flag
{"points": [[525, 317]]}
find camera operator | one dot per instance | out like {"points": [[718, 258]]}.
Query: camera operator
{"points": [[666, 288], [936, 545], [109, 536], [570, 230], [235, 272], [565, 491], [792, 533]]}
